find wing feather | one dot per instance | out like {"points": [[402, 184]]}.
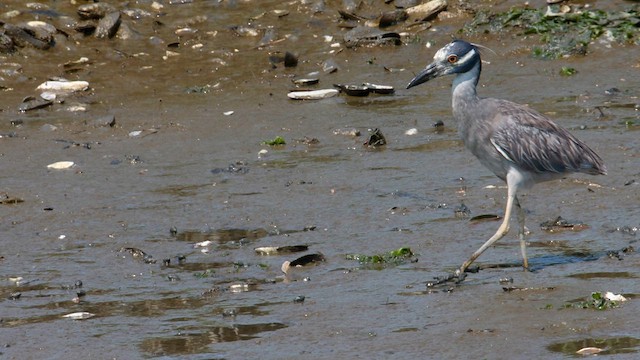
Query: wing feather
{"points": [[536, 144]]}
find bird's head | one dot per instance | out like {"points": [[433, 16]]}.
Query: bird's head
{"points": [[456, 57]]}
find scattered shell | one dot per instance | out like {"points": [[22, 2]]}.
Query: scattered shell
{"points": [[60, 165], [368, 36], [238, 288], [49, 96], [329, 66], [426, 11], [15, 279], [411, 131], [280, 13], [61, 86], [589, 351], [305, 81], [313, 94], [307, 259], [273, 250], [79, 315], [380, 89], [31, 103], [227, 113], [353, 90], [485, 217], [203, 243], [347, 132], [614, 297]]}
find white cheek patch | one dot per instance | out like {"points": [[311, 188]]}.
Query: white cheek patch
{"points": [[467, 56]]}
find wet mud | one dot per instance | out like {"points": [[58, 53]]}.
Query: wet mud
{"points": [[170, 185]]}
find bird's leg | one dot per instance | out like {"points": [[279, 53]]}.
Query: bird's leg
{"points": [[502, 230], [523, 244]]}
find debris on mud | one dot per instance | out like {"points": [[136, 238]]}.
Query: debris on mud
{"points": [[239, 167], [139, 254], [598, 301], [394, 257], [376, 138], [6, 199], [277, 141], [560, 224]]}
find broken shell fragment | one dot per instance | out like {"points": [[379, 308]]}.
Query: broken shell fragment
{"points": [[614, 297], [307, 259], [274, 250], [312, 94], [60, 165], [79, 315], [353, 90], [379, 89], [589, 351], [305, 81]]}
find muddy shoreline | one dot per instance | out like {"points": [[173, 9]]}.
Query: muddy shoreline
{"points": [[169, 158]]}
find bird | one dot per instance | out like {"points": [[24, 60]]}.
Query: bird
{"points": [[519, 145]]}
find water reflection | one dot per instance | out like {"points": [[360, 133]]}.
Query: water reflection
{"points": [[610, 346], [192, 340]]}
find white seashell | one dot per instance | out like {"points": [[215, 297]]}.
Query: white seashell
{"points": [[48, 95], [203, 243], [63, 86], [412, 131], [227, 113], [588, 351], [312, 94], [60, 165], [614, 297], [79, 315]]}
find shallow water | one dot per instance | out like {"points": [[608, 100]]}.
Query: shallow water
{"points": [[336, 196]]}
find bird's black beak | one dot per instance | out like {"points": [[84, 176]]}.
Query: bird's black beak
{"points": [[432, 71]]}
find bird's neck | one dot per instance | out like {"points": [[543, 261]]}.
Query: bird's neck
{"points": [[464, 86]]}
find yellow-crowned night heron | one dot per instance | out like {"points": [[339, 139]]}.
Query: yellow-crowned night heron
{"points": [[520, 145]]}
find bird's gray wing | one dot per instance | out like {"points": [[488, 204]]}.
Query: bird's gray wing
{"points": [[534, 143]]}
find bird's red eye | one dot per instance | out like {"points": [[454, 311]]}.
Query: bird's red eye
{"points": [[452, 59]]}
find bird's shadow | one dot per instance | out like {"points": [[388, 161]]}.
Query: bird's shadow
{"points": [[535, 264]]}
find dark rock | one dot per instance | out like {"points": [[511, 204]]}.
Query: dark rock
{"points": [[366, 36], [95, 10], [85, 27], [108, 25], [290, 60], [33, 103], [391, 18], [104, 121], [22, 38], [6, 44]]}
